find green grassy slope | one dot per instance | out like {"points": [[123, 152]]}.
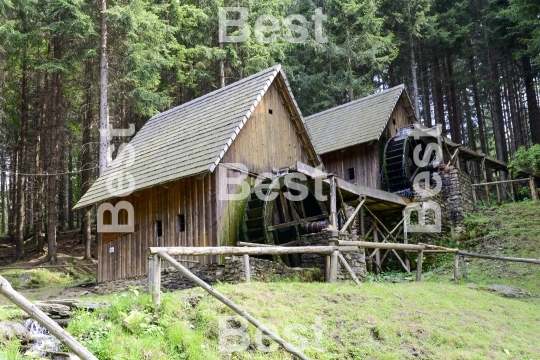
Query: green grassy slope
{"points": [[434, 319]]}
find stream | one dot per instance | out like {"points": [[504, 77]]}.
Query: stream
{"points": [[43, 344]]}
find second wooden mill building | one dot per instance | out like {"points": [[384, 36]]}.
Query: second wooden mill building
{"points": [[179, 156]]}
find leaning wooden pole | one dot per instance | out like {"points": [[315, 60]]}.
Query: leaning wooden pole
{"points": [[44, 320], [349, 269], [188, 274]]}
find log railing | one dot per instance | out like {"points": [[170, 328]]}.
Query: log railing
{"points": [[512, 194]]}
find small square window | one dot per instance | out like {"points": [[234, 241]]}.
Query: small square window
{"points": [[351, 173], [270, 111], [180, 223], [158, 228]]}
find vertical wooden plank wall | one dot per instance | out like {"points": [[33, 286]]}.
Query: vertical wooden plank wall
{"points": [[191, 197]]}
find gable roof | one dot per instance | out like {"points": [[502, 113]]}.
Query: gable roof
{"points": [[192, 138], [357, 122]]}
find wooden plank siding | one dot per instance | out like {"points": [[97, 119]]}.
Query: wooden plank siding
{"points": [[266, 141], [365, 158], [162, 202]]}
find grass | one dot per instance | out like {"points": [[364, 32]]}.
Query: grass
{"points": [[434, 319], [376, 321], [509, 230]]}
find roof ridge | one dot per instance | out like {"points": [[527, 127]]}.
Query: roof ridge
{"points": [[354, 102], [216, 91], [274, 71]]}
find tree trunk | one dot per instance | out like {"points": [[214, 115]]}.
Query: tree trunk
{"points": [[71, 217], [532, 104], [221, 68], [87, 159], [54, 127], [13, 182], [454, 115], [439, 100], [426, 102], [476, 97], [3, 195], [414, 80], [104, 148]]}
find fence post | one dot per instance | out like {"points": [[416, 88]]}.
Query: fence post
{"points": [[150, 273], [463, 267], [333, 266], [156, 281], [456, 265], [419, 265], [247, 270], [534, 191]]}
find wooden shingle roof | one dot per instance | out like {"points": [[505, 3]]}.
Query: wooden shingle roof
{"points": [[192, 138], [357, 122]]}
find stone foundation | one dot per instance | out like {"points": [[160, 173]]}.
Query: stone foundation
{"points": [[457, 190], [232, 272]]}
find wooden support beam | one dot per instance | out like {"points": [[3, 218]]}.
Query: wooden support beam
{"points": [[534, 190], [150, 273], [376, 240], [344, 209], [233, 250], [333, 266], [35, 313], [188, 274], [327, 268], [405, 240], [333, 219], [156, 280], [498, 193], [374, 245], [484, 172], [362, 200], [407, 269], [474, 195], [362, 225], [456, 268], [247, 269], [348, 268], [390, 234], [419, 261], [463, 267], [290, 243]]}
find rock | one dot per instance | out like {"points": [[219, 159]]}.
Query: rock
{"points": [[509, 291], [472, 286], [133, 320], [51, 308], [10, 330]]}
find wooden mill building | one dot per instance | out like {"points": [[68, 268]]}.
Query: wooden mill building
{"points": [[179, 157], [350, 138]]}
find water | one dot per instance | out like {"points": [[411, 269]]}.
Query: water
{"points": [[42, 341]]}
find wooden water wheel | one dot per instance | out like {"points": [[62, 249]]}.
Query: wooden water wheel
{"points": [[271, 216]]}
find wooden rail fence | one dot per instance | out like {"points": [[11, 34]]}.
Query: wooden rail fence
{"points": [[512, 194]]}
